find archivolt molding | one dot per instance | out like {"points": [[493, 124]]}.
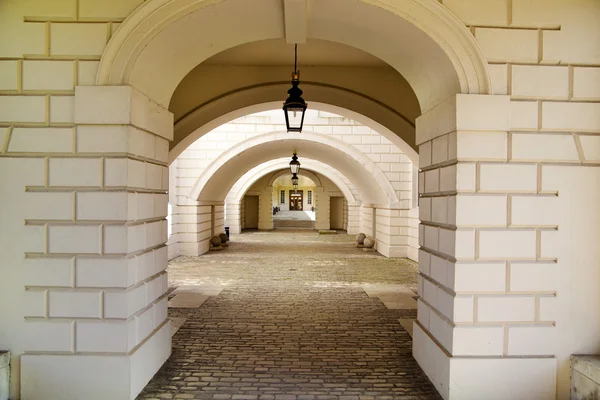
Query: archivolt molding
{"points": [[309, 167], [373, 184], [350, 105], [144, 25]]}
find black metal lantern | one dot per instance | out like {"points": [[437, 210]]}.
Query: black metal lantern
{"points": [[295, 164], [295, 106], [295, 182]]}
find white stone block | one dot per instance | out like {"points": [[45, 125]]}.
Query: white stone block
{"points": [[535, 81], [439, 149], [465, 177], [534, 277], [102, 139], [568, 117], [439, 210], [524, 115], [432, 181], [551, 245], [103, 272], [48, 272], [499, 76], [154, 176], [448, 179], [87, 71], [102, 206], [482, 145], [463, 309], [115, 239], [41, 140], [534, 211], [77, 39], [586, 83], [8, 75], [494, 378], [106, 10], [48, 75], [482, 113], [478, 211], [441, 331], [34, 303], [48, 206], [505, 308], [75, 172], [61, 109], [514, 178], [532, 341], [474, 12], [34, 239], [74, 304], [508, 44], [430, 237], [136, 238], [591, 147], [101, 337], [478, 341], [425, 209], [23, 108], [479, 277], [141, 143], [76, 239], [115, 172], [136, 174], [548, 309], [541, 147], [502, 245], [48, 336], [425, 154]]}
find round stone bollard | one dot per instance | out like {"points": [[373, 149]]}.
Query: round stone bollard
{"points": [[369, 243], [224, 238], [360, 238], [215, 241]]}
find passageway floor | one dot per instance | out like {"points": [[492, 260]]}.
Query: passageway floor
{"points": [[291, 316]]}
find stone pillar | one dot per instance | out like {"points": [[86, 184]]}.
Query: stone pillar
{"points": [[322, 209], [265, 209], [234, 215], [94, 306], [353, 219], [478, 334], [392, 232]]}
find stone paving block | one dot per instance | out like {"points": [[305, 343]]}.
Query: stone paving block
{"points": [[407, 324], [187, 300], [293, 322], [176, 323]]}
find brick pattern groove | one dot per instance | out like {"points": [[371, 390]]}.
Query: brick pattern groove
{"points": [[287, 328]]}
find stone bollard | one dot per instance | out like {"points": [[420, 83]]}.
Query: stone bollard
{"points": [[360, 240], [369, 244], [224, 240]]}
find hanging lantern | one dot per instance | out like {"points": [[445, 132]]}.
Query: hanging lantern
{"points": [[295, 106], [295, 182], [294, 164]]}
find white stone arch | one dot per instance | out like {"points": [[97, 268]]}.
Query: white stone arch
{"points": [[152, 49], [249, 179], [195, 125], [221, 174]]}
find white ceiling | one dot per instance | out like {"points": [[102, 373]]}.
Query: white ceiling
{"points": [[276, 52]]}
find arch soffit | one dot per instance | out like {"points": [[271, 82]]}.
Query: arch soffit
{"points": [[369, 112], [188, 123], [369, 179], [316, 167], [128, 57]]}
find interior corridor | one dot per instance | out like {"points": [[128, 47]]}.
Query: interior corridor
{"points": [[291, 315]]}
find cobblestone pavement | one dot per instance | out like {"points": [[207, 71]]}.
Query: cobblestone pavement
{"points": [[291, 323]]}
